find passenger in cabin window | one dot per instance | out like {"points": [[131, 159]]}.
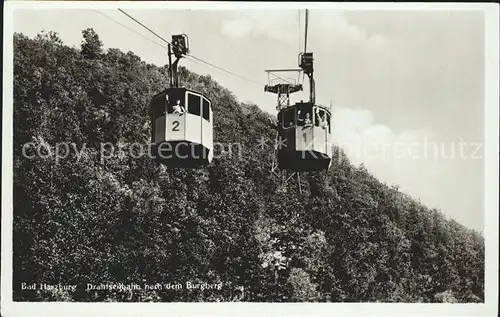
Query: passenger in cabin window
{"points": [[321, 119], [324, 122], [301, 121], [308, 120], [178, 108]]}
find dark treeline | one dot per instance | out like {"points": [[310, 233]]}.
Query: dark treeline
{"points": [[121, 219]]}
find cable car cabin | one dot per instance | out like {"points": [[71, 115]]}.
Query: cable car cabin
{"points": [[306, 131], [182, 134]]}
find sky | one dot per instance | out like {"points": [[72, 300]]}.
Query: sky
{"points": [[406, 87]]}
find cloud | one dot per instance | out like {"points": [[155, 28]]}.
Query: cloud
{"points": [[236, 28], [393, 158], [325, 28], [415, 160], [365, 141], [273, 24]]}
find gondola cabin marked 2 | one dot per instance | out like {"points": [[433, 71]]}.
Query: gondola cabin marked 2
{"points": [[181, 120], [182, 138]]}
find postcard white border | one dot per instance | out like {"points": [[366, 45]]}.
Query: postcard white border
{"points": [[489, 308]]}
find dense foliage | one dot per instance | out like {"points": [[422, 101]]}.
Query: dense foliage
{"points": [[89, 218]]}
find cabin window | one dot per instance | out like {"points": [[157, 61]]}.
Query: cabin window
{"points": [[319, 117], [170, 102], [159, 108], [304, 116], [289, 118], [206, 110], [194, 103]]}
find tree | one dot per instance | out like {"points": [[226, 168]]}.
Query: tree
{"points": [[91, 47]]}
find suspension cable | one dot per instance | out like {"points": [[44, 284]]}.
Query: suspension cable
{"points": [[141, 35], [130, 29], [138, 22], [189, 55]]}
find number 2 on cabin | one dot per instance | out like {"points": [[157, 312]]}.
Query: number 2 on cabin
{"points": [[175, 126]]}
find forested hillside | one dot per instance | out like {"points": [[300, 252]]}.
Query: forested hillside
{"points": [[121, 219]]}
